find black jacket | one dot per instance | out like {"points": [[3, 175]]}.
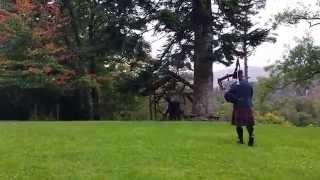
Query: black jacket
{"points": [[240, 94]]}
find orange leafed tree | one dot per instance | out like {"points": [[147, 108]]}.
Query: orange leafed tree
{"points": [[3, 15], [47, 21], [23, 6]]}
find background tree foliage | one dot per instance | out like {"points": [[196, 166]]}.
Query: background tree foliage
{"points": [[67, 46], [301, 65], [83, 59], [291, 91], [248, 32], [200, 33]]}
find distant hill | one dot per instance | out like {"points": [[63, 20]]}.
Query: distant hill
{"points": [[254, 73]]}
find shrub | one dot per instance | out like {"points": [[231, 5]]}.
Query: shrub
{"points": [[271, 118]]}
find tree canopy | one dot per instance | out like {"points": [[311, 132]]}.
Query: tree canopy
{"points": [[82, 50]]}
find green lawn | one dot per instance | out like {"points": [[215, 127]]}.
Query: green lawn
{"points": [[154, 151]]}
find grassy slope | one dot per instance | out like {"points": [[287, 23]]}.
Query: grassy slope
{"points": [[152, 151]]}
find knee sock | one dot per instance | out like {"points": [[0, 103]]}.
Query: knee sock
{"points": [[250, 131], [240, 134], [251, 135]]}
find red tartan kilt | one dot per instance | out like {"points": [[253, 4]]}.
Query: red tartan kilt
{"points": [[242, 116]]}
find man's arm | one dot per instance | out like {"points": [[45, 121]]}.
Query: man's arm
{"points": [[231, 95]]}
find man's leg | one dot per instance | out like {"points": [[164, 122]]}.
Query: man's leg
{"points": [[240, 134], [251, 135]]}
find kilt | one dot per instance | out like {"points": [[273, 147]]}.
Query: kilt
{"points": [[242, 116]]}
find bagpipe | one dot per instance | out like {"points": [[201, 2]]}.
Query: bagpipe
{"points": [[227, 77]]}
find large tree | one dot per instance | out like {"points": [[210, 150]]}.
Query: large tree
{"points": [[194, 35], [202, 32], [83, 36], [203, 53], [101, 33]]}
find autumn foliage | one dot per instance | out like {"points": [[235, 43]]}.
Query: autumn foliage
{"points": [[23, 6], [44, 21]]}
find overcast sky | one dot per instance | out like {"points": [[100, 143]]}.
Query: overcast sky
{"points": [[268, 53]]}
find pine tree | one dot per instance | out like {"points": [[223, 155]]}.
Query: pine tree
{"points": [[241, 14], [202, 33]]}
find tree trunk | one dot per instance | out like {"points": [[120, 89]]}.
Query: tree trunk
{"points": [[203, 74], [90, 104], [88, 99], [245, 48], [86, 105], [154, 106], [246, 72], [35, 112], [150, 108], [58, 112]]}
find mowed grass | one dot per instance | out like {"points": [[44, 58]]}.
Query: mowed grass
{"points": [[155, 151]]}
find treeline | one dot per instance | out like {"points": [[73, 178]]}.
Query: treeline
{"points": [[88, 60], [76, 59], [61, 60]]}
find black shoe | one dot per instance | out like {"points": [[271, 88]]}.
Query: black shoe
{"points": [[251, 141]]}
